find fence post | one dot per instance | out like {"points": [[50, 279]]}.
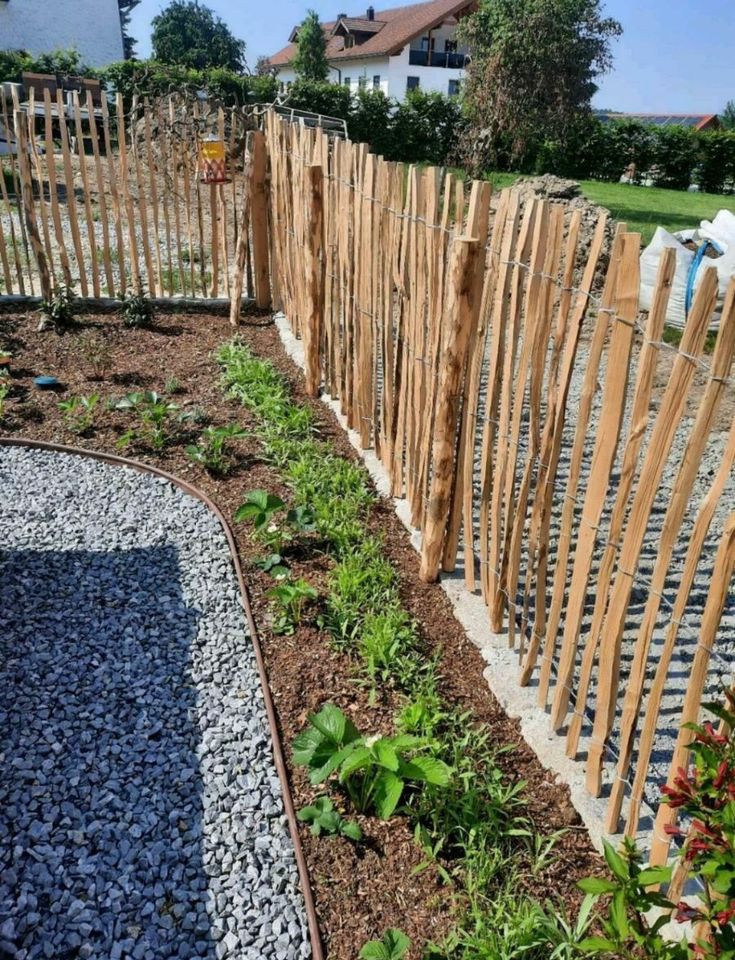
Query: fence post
{"points": [[259, 209], [241, 250], [458, 320], [314, 320]]}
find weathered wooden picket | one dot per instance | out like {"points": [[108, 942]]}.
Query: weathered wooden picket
{"points": [[531, 423], [544, 434]]}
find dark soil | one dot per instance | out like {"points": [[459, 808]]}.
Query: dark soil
{"points": [[359, 890]]}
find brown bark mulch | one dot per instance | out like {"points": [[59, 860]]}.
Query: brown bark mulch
{"points": [[360, 890]]}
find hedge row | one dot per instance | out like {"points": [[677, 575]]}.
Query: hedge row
{"points": [[423, 128], [674, 157]]}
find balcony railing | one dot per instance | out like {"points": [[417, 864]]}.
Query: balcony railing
{"points": [[423, 58]]}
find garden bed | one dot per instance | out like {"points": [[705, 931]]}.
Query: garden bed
{"points": [[362, 889]]}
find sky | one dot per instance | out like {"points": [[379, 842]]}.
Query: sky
{"points": [[673, 57]]}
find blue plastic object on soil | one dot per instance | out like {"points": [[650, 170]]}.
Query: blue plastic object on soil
{"points": [[46, 383]]}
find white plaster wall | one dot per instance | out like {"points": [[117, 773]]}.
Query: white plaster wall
{"points": [[431, 79], [40, 26]]}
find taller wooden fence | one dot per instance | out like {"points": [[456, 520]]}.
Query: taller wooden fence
{"points": [[539, 427], [108, 198]]}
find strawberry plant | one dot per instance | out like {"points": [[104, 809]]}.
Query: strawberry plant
{"points": [[324, 818], [290, 598], [393, 946], [375, 771], [79, 412], [154, 413], [212, 451]]}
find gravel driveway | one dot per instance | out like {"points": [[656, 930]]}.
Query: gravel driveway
{"points": [[140, 810]]}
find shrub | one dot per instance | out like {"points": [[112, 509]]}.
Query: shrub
{"points": [[13, 63], [716, 160], [137, 310], [57, 312], [675, 151]]}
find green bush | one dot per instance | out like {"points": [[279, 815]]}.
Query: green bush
{"points": [[675, 152], [716, 160], [330, 99], [148, 78], [13, 63]]}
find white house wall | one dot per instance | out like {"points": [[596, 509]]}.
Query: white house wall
{"points": [[39, 26]]}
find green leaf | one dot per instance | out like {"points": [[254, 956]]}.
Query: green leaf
{"points": [[247, 511], [615, 861], [597, 885], [597, 945], [428, 769], [374, 950], [388, 790], [351, 829], [330, 722], [397, 943], [619, 915], [307, 813], [654, 875], [385, 754], [358, 760], [304, 745], [326, 760]]}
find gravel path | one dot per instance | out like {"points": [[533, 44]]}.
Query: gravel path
{"points": [[140, 810]]}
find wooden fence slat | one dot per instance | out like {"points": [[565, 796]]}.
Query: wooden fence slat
{"points": [[458, 320], [127, 197], [101, 198], [43, 210], [9, 124], [112, 176], [29, 211], [81, 157]]}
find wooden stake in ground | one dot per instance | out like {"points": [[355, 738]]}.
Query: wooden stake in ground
{"points": [[458, 319], [718, 591], [259, 208], [28, 207], [312, 331], [238, 276]]}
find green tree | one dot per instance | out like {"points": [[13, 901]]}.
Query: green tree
{"points": [[190, 34], [311, 59], [126, 8], [727, 117], [532, 73]]}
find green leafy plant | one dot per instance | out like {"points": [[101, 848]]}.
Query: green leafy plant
{"points": [[213, 448], [375, 771], [136, 310], [57, 312], [173, 386], [154, 413], [394, 945], [275, 565], [80, 411], [290, 598], [386, 643], [626, 932], [324, 818], [261, 509]]}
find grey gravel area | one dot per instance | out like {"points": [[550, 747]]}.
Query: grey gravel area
{"points": [[141, 815]]}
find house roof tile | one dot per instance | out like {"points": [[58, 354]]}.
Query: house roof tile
{"points": [[395, 28]]}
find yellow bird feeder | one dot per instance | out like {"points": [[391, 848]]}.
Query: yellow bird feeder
{"points": [[212, 161]]}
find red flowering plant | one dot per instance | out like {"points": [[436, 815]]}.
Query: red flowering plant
{"points": [[704, 796]]}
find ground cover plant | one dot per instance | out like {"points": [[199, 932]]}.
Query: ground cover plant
{"points": [[404, 873]]}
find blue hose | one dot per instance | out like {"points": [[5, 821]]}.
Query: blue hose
{"points": [[694, 268]]}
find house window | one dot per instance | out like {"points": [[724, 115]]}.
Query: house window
{"points": [[362, 82], [450, 46], [349, 42], [376, 82], [453, 88], [412, 83], [347, 81], [427, 43]]}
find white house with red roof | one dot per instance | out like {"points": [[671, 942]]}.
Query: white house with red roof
{"points": [[396, 50]]}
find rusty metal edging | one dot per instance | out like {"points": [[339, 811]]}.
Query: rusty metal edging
{"points": [[316, 943]]}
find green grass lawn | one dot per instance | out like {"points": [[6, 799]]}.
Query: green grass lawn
{"points": [[644, 208]]}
